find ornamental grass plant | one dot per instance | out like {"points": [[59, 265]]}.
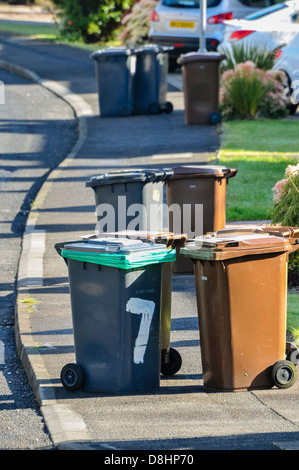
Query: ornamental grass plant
{"points": [[240, 53], [248, 92]]}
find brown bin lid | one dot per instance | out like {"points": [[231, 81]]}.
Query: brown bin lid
{"points": [[216, 247], [216, 171], [200, 57]]}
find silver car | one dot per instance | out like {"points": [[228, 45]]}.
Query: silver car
{"points": [[287, 59], [176, 23]]}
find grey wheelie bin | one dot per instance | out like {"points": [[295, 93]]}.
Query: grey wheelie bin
{"points": [[150, 87], [171, 360], [115, 291], [115, 72], [201, 189], [129, 199], [201, 77], [241, 289]]}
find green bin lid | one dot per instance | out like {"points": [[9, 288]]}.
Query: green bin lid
{"points": [[121, 253]]}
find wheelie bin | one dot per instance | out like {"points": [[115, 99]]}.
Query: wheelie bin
{"points": [[120, 195], [201, 77], [171, 360], [191, 186], [241, 282], [115, 291], [115, 72], [292, 351], [150, 87]]}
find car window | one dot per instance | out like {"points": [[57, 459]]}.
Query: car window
{"points": [[189, 3], [265, 11]]}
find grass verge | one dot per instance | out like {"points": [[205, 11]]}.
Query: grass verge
{"points": [[49, 33], [260, 150]]}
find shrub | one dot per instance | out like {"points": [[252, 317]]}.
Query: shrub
{"points": [[247, 92], [285, 211], [136, 23], [90, 20]]}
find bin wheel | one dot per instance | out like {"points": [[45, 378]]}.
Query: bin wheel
{"points": [[72, 377], [173, 365], [154, 108], [126, 111], [284, 374], [168, 108], [292, 353], [215, 118]]}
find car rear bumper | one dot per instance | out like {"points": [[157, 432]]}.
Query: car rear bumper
{"points": [[182, 45]]}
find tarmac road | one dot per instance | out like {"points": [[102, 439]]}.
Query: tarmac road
{"points": [[32, 142]]}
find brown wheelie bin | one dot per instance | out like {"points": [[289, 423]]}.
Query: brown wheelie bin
{"points": [[201, 77], [241, 298], [194, 185]]}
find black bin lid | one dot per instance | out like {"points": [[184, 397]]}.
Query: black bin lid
{"points": [[130, 176]]}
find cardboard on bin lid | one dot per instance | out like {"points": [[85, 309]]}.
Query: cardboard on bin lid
{"points": [[129, 176], [217, 171], [217, 246], [278, 230], [167, 238], [110, 245]]}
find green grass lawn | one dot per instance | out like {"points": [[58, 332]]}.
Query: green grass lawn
{"points": [[49, 32], [293, 315], [36, 31], [260, 150]]}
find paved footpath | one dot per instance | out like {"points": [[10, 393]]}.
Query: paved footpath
{"points": [[181, 416]]}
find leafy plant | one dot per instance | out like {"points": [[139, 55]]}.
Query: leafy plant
{"points": [[248, 92], [90, 20], [285, 211]]}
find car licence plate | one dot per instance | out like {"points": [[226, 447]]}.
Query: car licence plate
{"points": [[181, 24]]}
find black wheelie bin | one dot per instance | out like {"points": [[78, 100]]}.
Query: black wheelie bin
{"points": [[115, 292], [115, 73], [171, 360], [150, 89], [120, 195]]}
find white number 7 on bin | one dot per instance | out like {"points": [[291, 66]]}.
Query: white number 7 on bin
{"points": [[146, 309]]}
